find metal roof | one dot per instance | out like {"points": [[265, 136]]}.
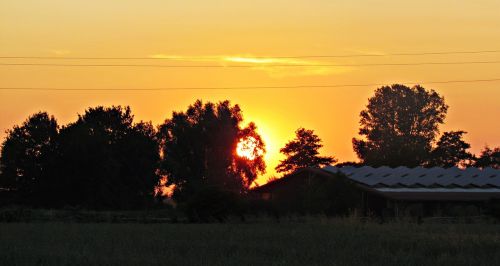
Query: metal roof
{"points": [[383, 178]]}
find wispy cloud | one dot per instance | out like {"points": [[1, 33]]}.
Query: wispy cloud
{"points": [[286, 66], [367, 52], [60, 52], [301, 67]]}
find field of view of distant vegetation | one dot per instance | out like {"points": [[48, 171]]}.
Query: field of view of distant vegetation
{"points": [[311, 241]]}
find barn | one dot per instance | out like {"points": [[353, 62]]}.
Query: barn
{"points": [[401, 191]]}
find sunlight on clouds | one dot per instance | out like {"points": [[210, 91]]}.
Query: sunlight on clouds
{"points": [[257, 60], [303, 67], [265, 64]]}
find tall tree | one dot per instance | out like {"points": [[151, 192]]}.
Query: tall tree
{"points": [[199, 149], [489, 158], [104, 161], [302, 152], [399, 125], [25, 152], [451, 150]]}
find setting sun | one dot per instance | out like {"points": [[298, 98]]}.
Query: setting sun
{"points": [[275, 59], [248, 148]]}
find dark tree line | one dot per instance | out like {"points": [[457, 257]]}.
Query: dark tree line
{"points": [[105, 160], [26, 153]]}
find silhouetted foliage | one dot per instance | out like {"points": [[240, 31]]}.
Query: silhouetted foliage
{"points": [[104, 161], [354, 164], [399, 124], [302, 152], [451, 150], [489, 158], [214, 203], [199, 150], [25, 152]]}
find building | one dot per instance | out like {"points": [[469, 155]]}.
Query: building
{"points": [[402, 191], [309, 191]]}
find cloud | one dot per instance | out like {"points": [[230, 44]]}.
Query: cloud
{"points": [[60, 52], [289, 66], [367, 52], [277, 67]]}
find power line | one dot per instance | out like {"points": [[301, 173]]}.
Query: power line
{"points": [[251, 66], [259, 57], [244, 87]]}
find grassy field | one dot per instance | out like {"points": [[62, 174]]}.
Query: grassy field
{"points": [[291, 243]]}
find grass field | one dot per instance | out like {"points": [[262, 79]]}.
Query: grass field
{"points": [[291, 243]]}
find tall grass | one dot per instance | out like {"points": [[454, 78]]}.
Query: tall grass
{"points": [[311, 242]]}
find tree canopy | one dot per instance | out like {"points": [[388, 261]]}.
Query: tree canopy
{"points": [[489, 158], [302, 152], [399, 126], [105, 160], [451, 150], [198, 149], [25, 152]]}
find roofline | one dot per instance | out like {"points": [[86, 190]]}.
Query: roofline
{"points": [[316, 170]]}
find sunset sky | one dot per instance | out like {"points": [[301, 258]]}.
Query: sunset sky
{"points": [[257, 33]]}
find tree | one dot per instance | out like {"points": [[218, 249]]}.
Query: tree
{"points": [[399, 125], [104, 161], [302, 152], [451, 150], [489, 158], [25, 152], [198, 150]]}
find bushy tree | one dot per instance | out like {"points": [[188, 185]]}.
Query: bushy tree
{"points": [[198, 150], [488, 158], [104, 161], [25, 152], [451, 150], [399, 126], [302, 152]]}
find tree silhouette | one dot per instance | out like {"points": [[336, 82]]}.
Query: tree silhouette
{"points": [[302, 152], [104, 161], [489, 158], [25, 152], [199, 150], [451, 150], [399, 124]]}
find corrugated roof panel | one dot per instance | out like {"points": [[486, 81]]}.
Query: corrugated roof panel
{"points": [[463, 181], [494, 181], [413, 176], [431, 176], [427, 177], [472, 172]]}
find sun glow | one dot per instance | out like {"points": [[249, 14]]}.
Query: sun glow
{"points": [[248, 148]]}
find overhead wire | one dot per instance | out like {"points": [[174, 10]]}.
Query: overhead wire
{"points": [[258, 57], [251, 66], [242, 87]]}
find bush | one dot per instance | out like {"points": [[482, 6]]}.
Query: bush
{"points": [[214, 204]]}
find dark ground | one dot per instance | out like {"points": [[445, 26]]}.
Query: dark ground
{"points": [[310, 242]]}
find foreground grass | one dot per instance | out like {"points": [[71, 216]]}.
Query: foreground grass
{"points": [[311, 243]]}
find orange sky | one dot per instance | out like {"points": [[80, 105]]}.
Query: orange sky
{"points": [[233, 33]]}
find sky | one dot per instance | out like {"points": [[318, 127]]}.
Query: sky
{"points": [[255, 33]]}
